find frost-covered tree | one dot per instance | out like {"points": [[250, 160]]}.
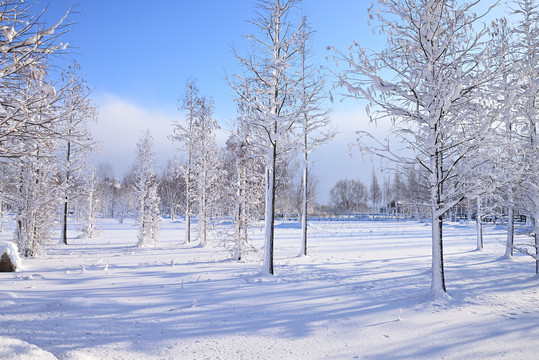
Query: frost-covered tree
{"points": [[77, 141], [36, 202], [145, 187], [27, 46], [268, 86], [425, 81], [285, 186], [124, 197], [205, 164], [36, 172], [314, 120], [107, 189], [172, 189], [196, 136], [416, 191], [375, 192], [398, 186], [90, 207], [246, 173], [28, 120], [184, 135], [507, 138], [526, 50], [312, 193], [37, 190]]}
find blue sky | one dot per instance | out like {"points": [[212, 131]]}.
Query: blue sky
{"points": [[137, 55], [143, 52]]}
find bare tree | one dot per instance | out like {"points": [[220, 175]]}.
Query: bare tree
{"points": [[348, 196]]}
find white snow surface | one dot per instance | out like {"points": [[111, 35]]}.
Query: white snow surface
{"points": [[15, 349], [362, 293]]}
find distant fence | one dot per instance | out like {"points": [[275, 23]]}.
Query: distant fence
{"points": [[400, 217], [357, 217]]}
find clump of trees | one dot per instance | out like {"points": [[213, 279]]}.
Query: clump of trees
{"points": [[403, 193], [462, 99], [279, 92], [44, 112], [464, 104]]}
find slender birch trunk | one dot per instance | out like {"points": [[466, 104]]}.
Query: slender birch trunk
{"points": [[304, 214], [188, 208], [536, 253], [510, 233], [270, 210], [63, 235], [479, 224], [438, 276]]}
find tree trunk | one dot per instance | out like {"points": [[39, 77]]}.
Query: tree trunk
{"points": [[64, 220], [242, 205], [479, 223], [244, 212], [1, 216], [237, 254], [64, 223], [536, 241], [438, 277], [536, 238], [469, 211], [304, 213], [536, 253], [203, 211], [510, 233], [188, 208], [270, 210]]}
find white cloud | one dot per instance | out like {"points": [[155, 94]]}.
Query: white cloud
{"points": [[121, 124]]}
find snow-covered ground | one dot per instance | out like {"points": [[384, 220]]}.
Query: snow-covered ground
{"points": [[363, 293]]}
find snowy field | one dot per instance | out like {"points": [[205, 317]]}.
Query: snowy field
{"points": [[363, 293]]}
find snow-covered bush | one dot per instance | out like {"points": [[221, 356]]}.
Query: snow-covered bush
{"points": [[145, 186], [10, 249]]}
